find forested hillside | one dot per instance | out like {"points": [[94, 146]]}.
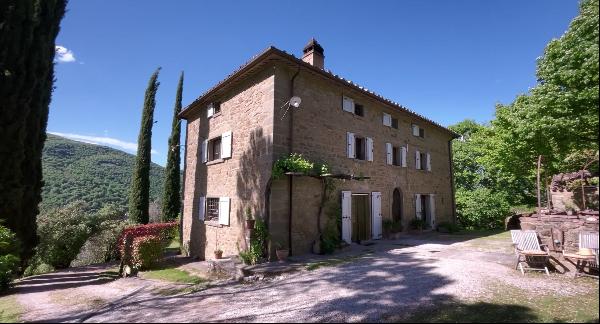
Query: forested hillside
{"points": [[94, 174]]}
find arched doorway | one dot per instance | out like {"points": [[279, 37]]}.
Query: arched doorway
{"points": [[397, 205]]}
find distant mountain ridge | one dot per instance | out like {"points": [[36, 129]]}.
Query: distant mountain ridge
{"points": [[92, 173]]}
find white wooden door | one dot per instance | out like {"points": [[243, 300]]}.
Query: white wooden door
{"points": [[347, 216], [432, 210], [376, 217], [418, 209]]}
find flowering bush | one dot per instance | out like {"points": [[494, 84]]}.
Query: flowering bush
{"points": [[141, 246]]}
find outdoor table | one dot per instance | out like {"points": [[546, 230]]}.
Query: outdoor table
{"points": [[582, 261]]}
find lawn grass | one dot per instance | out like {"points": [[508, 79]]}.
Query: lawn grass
{"points": [[174, 246], [10, 309], [173, 275], [511, 304]]}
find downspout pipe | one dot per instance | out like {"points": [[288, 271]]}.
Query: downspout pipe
{"points": [[291, 149]]}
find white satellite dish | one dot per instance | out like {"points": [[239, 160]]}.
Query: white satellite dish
{"points": [[295, 102]]}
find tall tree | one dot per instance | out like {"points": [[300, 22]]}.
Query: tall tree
{"points": [[139, 196], [171, 203], [559, 116], [28, 30]]}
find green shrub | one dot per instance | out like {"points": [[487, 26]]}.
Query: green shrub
{"points": [[297, 163], [147, 251], [387, 224], [62, 232], [481, 208], [37, 267], [416, 223], [256, 251], [9, 260], [450, 227]]}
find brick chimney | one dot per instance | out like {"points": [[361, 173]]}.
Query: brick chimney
{"points": [[313, 54]]}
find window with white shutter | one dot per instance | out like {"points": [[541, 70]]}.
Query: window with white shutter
{"points": [[201, 208], [226, 145], [210, 111], [224, 204], [389, 153], [428, 165], [418, 160], [387, 120], [350, 145], [369, 149], [415, 130], [404, 150], [348, 104], [418, 207], [204, 151]]}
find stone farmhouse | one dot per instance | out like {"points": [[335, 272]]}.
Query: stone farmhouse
{"points": [[241, 126]]}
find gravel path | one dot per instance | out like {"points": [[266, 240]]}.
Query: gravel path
{"points": [[391, 281]]}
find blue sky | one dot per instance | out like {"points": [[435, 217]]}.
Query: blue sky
{"points": [[448, 60]]}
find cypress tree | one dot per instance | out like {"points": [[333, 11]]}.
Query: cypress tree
{"points": [[139, 195], [171, 203], [28, 30]]}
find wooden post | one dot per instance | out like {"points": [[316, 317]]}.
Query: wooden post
{"points": [[539, 198]]}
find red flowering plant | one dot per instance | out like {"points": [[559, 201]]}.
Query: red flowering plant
{"points": [[142, 246]]}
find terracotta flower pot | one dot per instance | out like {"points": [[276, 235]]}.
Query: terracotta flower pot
{"points": [[218, 254], [250, 223], [282, 254]]}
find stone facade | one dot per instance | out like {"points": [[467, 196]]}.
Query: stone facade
{"points": [[250, 108]]}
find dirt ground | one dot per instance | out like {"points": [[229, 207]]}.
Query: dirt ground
{"points": [[386, 281]]}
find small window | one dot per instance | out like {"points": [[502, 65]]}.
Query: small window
{"points": [[421, 165], [214, 149], [212, 209], [395, 123], [418, 131], [396, 156], [360, 148], [217, 108], [359, 110]]}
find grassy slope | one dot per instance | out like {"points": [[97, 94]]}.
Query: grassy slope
{"points": [[95, 174]]}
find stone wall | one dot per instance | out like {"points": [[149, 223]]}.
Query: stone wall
{"points": [[247, 111], [319, 133], [562, 227]]}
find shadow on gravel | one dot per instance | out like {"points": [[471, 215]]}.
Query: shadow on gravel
{"points": [[382, 286]]}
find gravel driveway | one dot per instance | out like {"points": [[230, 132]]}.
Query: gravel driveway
{"points": [[393, 280]]}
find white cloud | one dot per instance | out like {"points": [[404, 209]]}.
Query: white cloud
{"points": [[64, 55], [102, 140]]}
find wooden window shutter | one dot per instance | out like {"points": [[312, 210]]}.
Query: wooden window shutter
{"points": [[210, 111], [389, 151], [226, 145], [369, 149], [224, 210], [428, 162], [204, 151], [351, 145], [415, 130], [403, 156], [201, 208], [418, 210], [348, 104], [387, 120], [347, 216], [418, 160], [377, 218]]}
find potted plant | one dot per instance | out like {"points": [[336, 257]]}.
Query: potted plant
{"points": [[218, 254], [249, 219], [282, 253], [416, 224], [388, 224]]}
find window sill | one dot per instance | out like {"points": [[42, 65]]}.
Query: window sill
{"points": [[215, 115], [215, 162], [213, 224]]}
